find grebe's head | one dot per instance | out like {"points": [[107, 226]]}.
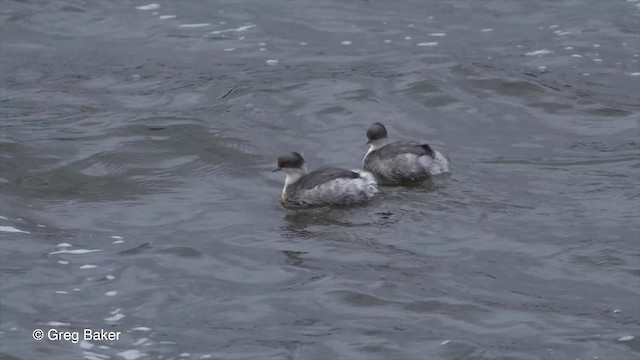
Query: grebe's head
{"points": [[289, 163], [376, 131]]}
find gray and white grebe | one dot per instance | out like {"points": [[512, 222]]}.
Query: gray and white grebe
{"points": [[401, 161], [324, 186]]}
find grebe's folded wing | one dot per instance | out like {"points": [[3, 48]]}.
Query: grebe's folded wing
{"points": [[404, 147], [323, 175]]}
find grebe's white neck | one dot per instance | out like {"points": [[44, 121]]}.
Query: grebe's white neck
{"points": [[375, 145], [293, 175]]}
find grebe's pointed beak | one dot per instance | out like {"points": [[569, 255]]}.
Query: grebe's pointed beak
{"points": [[276, 169]]}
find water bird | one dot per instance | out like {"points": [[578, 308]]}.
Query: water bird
{"points": [[401, 161], [325, 186]]}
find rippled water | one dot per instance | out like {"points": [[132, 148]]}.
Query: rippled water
{"points": [[136, 141]]}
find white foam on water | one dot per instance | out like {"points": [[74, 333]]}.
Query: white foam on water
{"points": [[229, 49], [238, 29], [114, 318], [569, 48], [131, 354], [165, 17], [407, 37], [635, 74], [185, 355], [140, 341], [437, 34], [88, 266], [346, 43], [118, 242], [411, 25], [56, 323], [563, 33], [63, 262], [77, 251], [263, 49], [554, 26], [64, 245], [103, 347], [428, 44], [88, 355], [3, 218], [61, 292], [388, 41], [486, 30], [155, 13], [262, 44], [596, 45], [597, 60], [207, 356], [576, 55], [445, 342], [303, 43], [40, 226], [626, 338], [111, 293], [84, 344], [222, 22], [193, 25], [539, 52], [11, 229], [151, 6], [110, 277], [241, 38], [76, 289], [585, 74], [141, 328], [272, 62], [542, 68]]}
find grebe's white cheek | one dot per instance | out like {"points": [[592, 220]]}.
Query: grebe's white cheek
{"points": [[293, 171], [377, 144]]}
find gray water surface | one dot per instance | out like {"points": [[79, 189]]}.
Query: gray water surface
{"points": [[136, 194]]}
